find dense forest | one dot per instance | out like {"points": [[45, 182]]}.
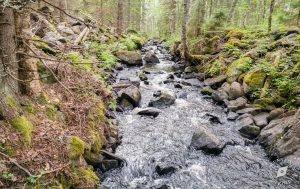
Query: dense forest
{"points": [[155, 94]]}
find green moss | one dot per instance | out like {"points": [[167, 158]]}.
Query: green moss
{"points": [[76, 148], [237, 68], [24, 127], [11, 102], [51, 111], [73, 56], [45, 75], [97, 115], [207, 91], [86, 178], [85, 64], [137, 40], [143, 76], [30, 108], [43, 98], [235, 34], [7, 149], [255, 79], [96, 144]]}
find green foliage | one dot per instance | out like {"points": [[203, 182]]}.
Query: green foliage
{"points": [[129, 44], [33, 179], [113, 105], [8, 177], [108, 60], [24, 127], [285, 85]]}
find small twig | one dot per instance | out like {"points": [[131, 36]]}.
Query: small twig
{"points": [[16, 164], [54, 75], [55, 170]]}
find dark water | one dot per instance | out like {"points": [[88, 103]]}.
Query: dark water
{"points": [[165, 140]]}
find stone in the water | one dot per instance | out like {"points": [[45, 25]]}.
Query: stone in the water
{"points": [[213, 118], [164, 100], [151, 58], [252, 111], [177, 86], [164, 169], [207, 90], [237, 104], [157, 93], [206, 141], [131, 58], [110, 164], [215, 82], [219, 96], [149, 112], [261, 120], [119, 67], [245, 121], [232, 116], [250, 131], [132, 94]]}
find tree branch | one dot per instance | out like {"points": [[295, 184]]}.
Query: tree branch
{"points": [[16, 164]]}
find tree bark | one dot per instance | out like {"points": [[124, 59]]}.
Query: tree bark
{"points": [[28, 72], [173, 16], [129, 13], [120, 17], [264, 9], [184, 29], [8, 58], [298, 18], [271, 15], [232, 10]]}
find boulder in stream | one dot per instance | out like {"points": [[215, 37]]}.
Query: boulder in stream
{"points": [[162, 101], [153, 112], [219, 96], [131, 58], [215, 82], [203, 139], [151, 58], [132, 94]]}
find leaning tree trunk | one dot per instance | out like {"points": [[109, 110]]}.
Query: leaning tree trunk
{"points": [[8, 59], [271, 15], [232, 10], [184, 29], [120, 17]]}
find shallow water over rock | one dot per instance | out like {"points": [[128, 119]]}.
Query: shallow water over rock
{"points": [[157, 148]]}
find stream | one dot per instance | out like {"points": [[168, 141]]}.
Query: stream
{"points": [[150, 145]]}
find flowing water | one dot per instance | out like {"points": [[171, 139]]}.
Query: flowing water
{"points": [[164, 140]]}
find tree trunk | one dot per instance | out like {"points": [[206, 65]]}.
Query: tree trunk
{"points": [[120, 17], [210, 8], [298, 19], [232, 10], [28, 72], [184, 29], [264, 10], [8, 59], [173, 16], [129, 13], [62, 16], [271, 15]]}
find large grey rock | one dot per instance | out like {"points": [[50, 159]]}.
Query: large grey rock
{"points": [[207, 90], [132, 94], [232, 116], [252, 111], [226, 87], [151, 58], [131, 58], [246, 121], [53, 40], [250, 131], [206, 141], [261, 120], [162, 101], [235, 91], [215, 82], [153, 112], [281, 138], [64, 30], [237, 104], [275, 113], [219, 96]]}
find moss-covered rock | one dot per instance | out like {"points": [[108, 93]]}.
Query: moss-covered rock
{"points": [[43, 98], [143, 76], [207, 91], [76, 148], [85, 178], [254, 80], [24, 127], [131, 58], [237, 68]]}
